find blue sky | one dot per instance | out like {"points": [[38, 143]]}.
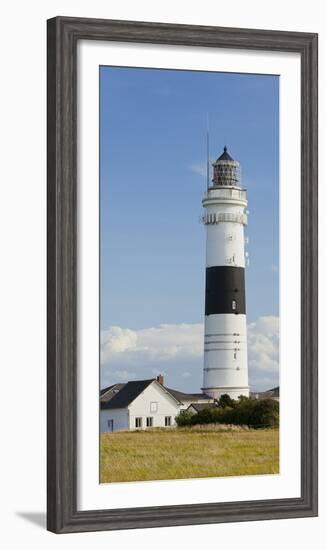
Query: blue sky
{"points": [[152, 166]]}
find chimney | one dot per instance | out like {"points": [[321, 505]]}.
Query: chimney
{"points": [[160, 379]]}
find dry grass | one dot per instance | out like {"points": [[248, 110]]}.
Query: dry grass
{"points": [[199, 451]]}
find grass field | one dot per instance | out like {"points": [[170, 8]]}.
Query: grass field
{"points": [[199, 451]]}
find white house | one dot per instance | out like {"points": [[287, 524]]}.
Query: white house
{"points": [[142, 404], [273, 393]]}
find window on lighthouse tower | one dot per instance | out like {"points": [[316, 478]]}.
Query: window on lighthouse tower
{"points": [[234, 305]]}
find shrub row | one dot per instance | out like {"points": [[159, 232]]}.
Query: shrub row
{"points": [[250, 412]]}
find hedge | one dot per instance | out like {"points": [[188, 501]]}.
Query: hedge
{"points": [[251, 412]]}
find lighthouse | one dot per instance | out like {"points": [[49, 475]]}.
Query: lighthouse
{"points": [[225, 343]]}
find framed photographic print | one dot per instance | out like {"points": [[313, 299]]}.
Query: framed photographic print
{"points": [[182, 274]]}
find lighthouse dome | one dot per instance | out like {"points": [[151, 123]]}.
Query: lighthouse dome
{"points": [[225, 155]]}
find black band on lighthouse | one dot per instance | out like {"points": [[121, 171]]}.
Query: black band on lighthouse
{"points": [[225, 290]]}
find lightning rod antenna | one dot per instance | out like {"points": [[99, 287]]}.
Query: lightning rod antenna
{"points": [[207, 152]]}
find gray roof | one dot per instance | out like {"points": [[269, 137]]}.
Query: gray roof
{"points": [[181, 396], [225, 155], [109, 388], [128, 394], [201, 406], [273, 392], [104, 390], [106, 394], [119, 396]]}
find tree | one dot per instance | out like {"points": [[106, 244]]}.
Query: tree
{"points": [[265, 413], [226, 401], [243, 399]]}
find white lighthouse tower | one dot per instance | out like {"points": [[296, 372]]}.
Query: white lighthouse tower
{"points": [[225, 347]]}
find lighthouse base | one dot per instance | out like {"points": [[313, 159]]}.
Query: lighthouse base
{"points": [[234, 393]]}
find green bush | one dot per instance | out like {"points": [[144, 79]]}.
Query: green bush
{"points": [[255, 413], [184, 418], [208, 416], [250, 412], [265, 413], [226, 401]]}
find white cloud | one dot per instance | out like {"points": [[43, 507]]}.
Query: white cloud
{"points": [[169, 349], [163, 342], [123, 375], [263, 352], [200, 169], [176, 350], [118, 340]]}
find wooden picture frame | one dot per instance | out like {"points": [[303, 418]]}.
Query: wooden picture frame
{"points": [[63, 35]]}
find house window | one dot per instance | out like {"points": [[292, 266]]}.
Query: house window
{"points": [[138, 422], [153, 406], [234, 305], [168, 420], [149, 422]]}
